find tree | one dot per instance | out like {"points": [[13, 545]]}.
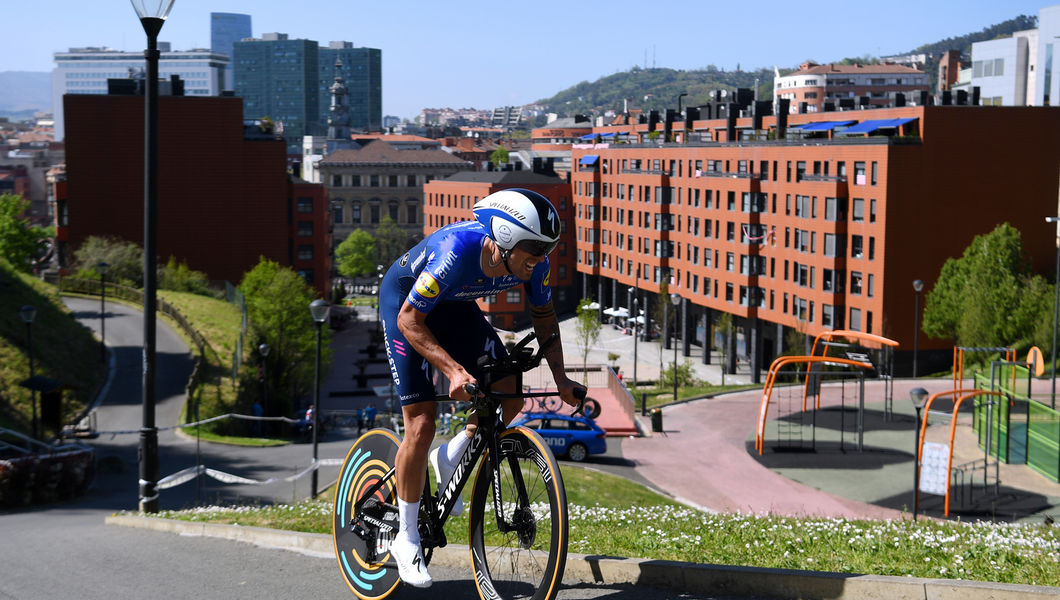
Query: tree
{"points": [[392, 241], [179, 277], [278, 309], [588, 331], [989, 296], [126, 260], [499, 156], [20, 242], [356, 254]]}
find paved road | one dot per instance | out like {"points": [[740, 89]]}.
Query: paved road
{"points": [[61, 551]]}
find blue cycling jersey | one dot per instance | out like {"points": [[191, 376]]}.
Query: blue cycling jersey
{"points": [[447, 266], [442, 276]]}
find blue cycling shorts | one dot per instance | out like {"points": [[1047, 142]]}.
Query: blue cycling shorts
{"points": [[461, 329]]}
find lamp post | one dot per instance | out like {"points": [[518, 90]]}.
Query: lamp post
{"points": [[263, 350], [102, 267], [675, 300], [1056, 314], [918, 286], [319, 309], [918, 395], [378, 295], [153, 15], [28, 313]]}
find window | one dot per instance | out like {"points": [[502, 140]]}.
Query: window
{"points": [[872, 248], [410, 180], [855, 319], [835, 209], [855, 283], [392, 180], [730, 261], [856, 242], [411, 213], [305, 228], [373, 180], [826, 315], [392, 208], [859, 173], [337, 214], [857, 212], [870, 286], [875, 169], [374, 212], [356, 208], [514, 296], [305, 205], [728, 292], [305, 252]]}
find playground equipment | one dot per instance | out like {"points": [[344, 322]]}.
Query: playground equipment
{"points": [[949, 473], [874, 349]]}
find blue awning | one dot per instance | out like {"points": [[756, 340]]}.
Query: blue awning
{"points": [[874, 124], [824, 125], [588, 136], [589, 159]]}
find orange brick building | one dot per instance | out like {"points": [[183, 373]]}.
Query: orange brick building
{"points": [[451, 199], [814, 230]]}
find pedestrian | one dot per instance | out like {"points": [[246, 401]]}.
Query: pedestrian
{"points": [[369, 415], [359, 415]]}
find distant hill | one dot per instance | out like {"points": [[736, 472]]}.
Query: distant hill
{"points": [[24, 92], [657, 89]]}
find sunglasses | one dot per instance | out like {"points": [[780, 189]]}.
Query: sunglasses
{"points": [[536, 248]]}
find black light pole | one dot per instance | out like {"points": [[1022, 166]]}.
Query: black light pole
{"points": [[675, 300], [153, 15], [263, 349], [319, 309], [378, 296], [102, 267], [918, 395], [1056, 314], [918, 286], [28, 313]]}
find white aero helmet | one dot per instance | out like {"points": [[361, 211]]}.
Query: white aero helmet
{"points": [[518, 217]]}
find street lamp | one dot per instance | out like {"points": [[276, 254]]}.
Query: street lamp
{"points": [[919, 396], [675, 300], [378, 295], [263, 350], [918, 286], [1056, 312], [152, 15], [102, 267], [319, 309], [28, 313]]}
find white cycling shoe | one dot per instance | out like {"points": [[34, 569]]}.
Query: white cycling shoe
{"points": [[409, 559], [443, 472]]}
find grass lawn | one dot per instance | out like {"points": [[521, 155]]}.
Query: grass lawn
{"points": [[613, 516]]}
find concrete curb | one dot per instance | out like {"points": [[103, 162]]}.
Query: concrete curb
{"points": [[684, 577]]}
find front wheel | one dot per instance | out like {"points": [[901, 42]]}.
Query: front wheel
{"points": [[524, 555]]}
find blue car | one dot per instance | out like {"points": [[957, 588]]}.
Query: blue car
{"points": [[570, 436]]}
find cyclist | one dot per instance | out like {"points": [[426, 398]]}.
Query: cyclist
{"points": [[431, 323]]}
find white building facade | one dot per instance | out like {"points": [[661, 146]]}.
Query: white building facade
{"points": [[1023, 69], [86, 71]]}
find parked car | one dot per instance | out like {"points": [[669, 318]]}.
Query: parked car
{"points": [[567, 435]]}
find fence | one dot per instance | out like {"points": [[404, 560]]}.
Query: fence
{"points": [[593, 376], [1022, 429]]}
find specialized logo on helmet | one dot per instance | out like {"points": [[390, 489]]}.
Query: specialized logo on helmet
{"points": [[426, 286], [504, 233], [552, 226]]}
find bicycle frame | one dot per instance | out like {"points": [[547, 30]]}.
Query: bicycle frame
{"points": [[438, 507]]}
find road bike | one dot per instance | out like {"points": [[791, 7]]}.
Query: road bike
{"points": [[518, 517]]}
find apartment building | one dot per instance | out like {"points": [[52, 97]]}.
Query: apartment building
{"points": [[450, 200], [815, 223], [384, 175], [813, 86]]}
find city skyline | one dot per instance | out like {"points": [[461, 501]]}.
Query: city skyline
{"points": [[462, 63]]}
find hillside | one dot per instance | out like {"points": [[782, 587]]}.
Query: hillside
{"points": [[24, 92], [657, 89]]}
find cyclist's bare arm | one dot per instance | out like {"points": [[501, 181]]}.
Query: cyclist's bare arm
{"points": [[413, 325], [545, 326]]}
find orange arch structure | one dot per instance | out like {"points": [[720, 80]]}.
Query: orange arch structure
{"points": [[967, 393], [850, 335], [767, 391]]}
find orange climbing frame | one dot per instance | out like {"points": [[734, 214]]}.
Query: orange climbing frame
{"points": [[967, 393], [767, 391], [841, 333]]}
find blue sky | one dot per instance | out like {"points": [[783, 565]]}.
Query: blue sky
{"points": [[486, 54]]}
